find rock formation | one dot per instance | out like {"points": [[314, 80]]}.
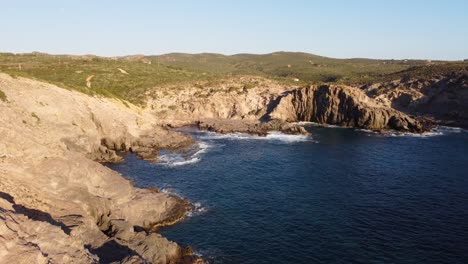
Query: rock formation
{"points": [[243, 98], [442, 97], [52, 187], [341, 105], [249, 126], [57, 205]]}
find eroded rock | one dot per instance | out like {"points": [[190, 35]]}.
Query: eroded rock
{"points": [[343, 106]]}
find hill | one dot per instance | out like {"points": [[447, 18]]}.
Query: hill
{"points": [[130, 77]]}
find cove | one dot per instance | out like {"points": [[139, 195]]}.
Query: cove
{"points": [[342, 196]]}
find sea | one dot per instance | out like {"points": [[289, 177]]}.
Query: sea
{"points": [[341, 195]]}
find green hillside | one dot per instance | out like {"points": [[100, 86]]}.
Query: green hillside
{"points": [[129, 77]]}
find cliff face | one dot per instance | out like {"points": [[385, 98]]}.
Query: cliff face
{"points": [[340, 105], [57, 205], [266, 100], [244, 98], [443, 97]]}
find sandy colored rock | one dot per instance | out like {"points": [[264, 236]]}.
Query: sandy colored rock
{"points": [[442, 97], [52, 187], [250, 126], [56, 202]]}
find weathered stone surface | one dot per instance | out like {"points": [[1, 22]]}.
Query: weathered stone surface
{"points": [[341, 105], [56, 202], [442, 97], [52, 188], [249, 126]]}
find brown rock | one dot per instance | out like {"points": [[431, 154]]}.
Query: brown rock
{"points": [[341, 105]]}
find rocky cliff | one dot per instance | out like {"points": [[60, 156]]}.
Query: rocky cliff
{"points": [[243, 98], [266, 100], [341, 105], [443, 97], [57, 205]]}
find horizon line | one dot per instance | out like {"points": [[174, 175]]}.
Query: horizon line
{"points": [[228, 55]]}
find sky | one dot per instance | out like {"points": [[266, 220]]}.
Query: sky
{"points": [[390, 29]]}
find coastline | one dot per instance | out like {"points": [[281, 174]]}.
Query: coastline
{"points": [[54, 141], [52, 183]]}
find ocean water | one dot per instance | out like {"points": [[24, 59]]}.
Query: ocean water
{"points": [[342, 196]]}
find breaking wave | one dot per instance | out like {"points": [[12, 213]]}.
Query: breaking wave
{"points": [[180, 159], [197, 208], [438, 131], [306, 123], [194, 155], [271, 136]]}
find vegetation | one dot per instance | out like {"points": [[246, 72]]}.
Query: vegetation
{"points": [[3, 96], [424, 72], [35, 116], [103, 76]]}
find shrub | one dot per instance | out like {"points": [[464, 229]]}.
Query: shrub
{"points": [[3, 96], [35, 116]]}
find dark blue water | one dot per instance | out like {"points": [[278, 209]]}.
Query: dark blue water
{"points": [[350, 197]]}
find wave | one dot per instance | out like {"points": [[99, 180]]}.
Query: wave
{"points": [[194, 155], [181, 159], [171, 191], [307, 123], [271, 136], [438, 131], [197, 209], [446, 129]]}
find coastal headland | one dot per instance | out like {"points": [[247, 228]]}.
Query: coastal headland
{"points": [[59, 204]]}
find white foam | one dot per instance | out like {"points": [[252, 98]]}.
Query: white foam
{"points": [[287, 137], [305, 123], [197, 210], [181, 159], [438, 131], [272, 136], [171, 191], [446, 129]]}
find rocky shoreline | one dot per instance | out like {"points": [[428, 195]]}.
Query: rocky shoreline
{"points": [[59, 204]]}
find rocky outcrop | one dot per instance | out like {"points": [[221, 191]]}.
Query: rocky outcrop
{"points": [[146, 146], [242, 98], [266, 100], [225, 126], [57, 205], [343, 106], [442, 97]]}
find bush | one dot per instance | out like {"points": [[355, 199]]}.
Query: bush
{"points": [[3, 96]]}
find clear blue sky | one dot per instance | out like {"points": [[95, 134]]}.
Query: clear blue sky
{"points": [[426, 29]]}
